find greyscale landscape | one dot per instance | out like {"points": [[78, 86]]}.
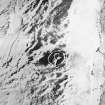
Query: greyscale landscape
{"points": [[52, 52]]}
